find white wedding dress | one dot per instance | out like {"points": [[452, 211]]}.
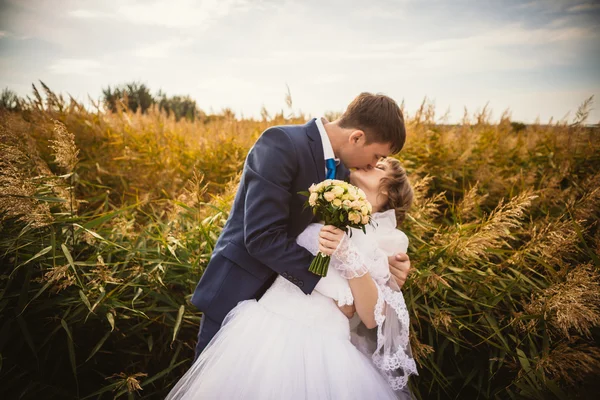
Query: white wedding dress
{"points": [[289, 345]]}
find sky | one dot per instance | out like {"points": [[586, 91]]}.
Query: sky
{"points": [[538, 58]]}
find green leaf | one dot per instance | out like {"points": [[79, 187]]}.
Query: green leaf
{"points": [[150, 342], [178, 322], [137, 294], [67, 254], [98, 345], [71, 347], [85, 300], [38, 254], [26, 334], [102, 294], [111, 320], [42, 290], [523, 360], [100, 220]]}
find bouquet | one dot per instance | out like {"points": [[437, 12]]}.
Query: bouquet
{"points": [[340, 204]]}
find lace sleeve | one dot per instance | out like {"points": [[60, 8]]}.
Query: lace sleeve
{"points": [[350, 264], [353, 260]]}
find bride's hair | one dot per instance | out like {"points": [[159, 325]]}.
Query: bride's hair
{"points": [[400, 193]]}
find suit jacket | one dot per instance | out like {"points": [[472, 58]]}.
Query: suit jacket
{"points": [[258, 241]]}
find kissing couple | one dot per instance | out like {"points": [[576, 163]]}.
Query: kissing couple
{"points": [[272, 329]]}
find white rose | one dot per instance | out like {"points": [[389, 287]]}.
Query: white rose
{"points": [[337, 202], [312, 200], [365, 219], [364, 209]]}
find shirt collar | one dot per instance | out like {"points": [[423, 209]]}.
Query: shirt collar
{"points": [[327, 149]]}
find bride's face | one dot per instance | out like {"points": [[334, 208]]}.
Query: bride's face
{"points": [[369, 180]]}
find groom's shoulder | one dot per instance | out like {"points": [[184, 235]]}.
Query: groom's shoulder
{"points": [[297, 133]]}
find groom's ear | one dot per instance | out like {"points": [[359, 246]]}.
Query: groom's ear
{"points": [[357, 136]]}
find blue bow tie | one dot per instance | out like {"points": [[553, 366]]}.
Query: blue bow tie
{"points": [[330, 164]]}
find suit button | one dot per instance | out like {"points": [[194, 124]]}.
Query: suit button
{"points": [[285, 275], [300, 283]]}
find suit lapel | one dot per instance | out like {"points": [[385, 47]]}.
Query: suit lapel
{"points": [[316, 146]]}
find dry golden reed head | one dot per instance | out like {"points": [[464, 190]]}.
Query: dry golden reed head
{"points": [[572, 304], [65, 151], [571, 362], [21, 168]]}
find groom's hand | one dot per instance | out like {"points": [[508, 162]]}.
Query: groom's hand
{"points": [[347, 310], [399, 267]]}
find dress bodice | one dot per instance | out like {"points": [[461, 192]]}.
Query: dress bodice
{"points": [[315, 310]]}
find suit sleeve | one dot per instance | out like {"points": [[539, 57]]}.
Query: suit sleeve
{"points": [[271, 166]]}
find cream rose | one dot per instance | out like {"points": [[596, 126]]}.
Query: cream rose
{"points": [[354, 217], [338, 190], [329, 196]]}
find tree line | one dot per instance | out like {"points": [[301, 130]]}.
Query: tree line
{"points": [[133, 96]]}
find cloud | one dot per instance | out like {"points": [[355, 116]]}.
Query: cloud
{"points": [[172, 14], [584, 7], [163, 48], [88, 14], [75, 66]]}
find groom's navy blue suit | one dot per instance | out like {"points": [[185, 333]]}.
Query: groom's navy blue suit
{"points": [[258, 241]]}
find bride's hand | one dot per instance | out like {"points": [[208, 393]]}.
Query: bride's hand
{"points": [[399, 268], [329, 239], [348, 310]]}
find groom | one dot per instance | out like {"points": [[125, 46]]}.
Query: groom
{"points": [[258, 241]]}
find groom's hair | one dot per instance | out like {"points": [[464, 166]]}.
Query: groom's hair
{"points": [[379, 117]]}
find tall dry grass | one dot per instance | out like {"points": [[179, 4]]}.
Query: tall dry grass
{"points": [[108, 221]]}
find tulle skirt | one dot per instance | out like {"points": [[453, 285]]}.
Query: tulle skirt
{"points": [[285, 346]]}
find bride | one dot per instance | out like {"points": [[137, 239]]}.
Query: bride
{"points": [[289, 345]]}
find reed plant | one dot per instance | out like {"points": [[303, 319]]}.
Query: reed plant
{"points": [[108, 220]]}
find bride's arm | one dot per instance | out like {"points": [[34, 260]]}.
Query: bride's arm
{"points": [[365, 295], [352, 266]]}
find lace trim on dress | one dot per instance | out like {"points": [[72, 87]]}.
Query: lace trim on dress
{"points": [[392, 354]]}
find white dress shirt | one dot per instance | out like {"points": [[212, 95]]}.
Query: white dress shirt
{"points": [[327, 149]]}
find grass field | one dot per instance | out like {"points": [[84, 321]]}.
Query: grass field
{"points": [[108, 220]]}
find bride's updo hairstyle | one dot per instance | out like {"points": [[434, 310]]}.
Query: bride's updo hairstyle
{"points": [[400, 193]]}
